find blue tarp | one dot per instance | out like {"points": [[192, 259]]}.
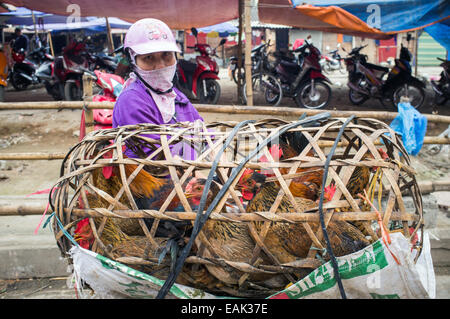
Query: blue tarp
{"points": [[390, 15], [58, 23], [224, 29]]}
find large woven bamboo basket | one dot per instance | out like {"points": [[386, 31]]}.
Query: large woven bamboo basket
{"points": [[247, 142]]}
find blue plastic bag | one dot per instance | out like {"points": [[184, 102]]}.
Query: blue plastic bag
{"points": [[411, 125]]}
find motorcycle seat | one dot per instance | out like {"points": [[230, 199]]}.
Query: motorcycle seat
{"points": [[289, 64], [376, 67]]}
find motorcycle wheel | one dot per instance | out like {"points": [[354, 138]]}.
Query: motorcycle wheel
{"points": [[319, 100], [18, 82], [416, 95], [212, 91], [72, 91], [235, 73], [356, 98], [266, 90]]}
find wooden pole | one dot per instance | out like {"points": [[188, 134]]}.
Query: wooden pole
{"points": [[32, 156], [239, 53], [109, 36], [248, 52], [50, 42], [221, 109], [87, 97], [416, 53]]}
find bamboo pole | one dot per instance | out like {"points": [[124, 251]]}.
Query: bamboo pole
{"points": [[50, 42], [87, 97], [239, 53], [426, 187], [12, 210], [109, 35], [221, 109], [32, 156], [248, 52]]}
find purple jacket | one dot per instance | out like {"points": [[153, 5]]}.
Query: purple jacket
{"points": [[135, 105]]}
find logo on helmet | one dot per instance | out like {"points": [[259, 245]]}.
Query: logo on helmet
{"points": [[156, 32]]}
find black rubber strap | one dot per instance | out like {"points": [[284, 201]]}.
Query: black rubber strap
{"points": [[322, 221], [202, 218]]}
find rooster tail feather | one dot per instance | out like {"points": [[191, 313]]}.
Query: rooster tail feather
{"points": [[144, 184]]}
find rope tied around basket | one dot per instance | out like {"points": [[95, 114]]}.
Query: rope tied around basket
{"points": [[202, 218]]}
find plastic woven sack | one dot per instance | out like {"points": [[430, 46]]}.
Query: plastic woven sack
{"points": [[372, 272], [411, 125]]}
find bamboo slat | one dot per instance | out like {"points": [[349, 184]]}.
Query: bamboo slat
{"points": [[221, 109]]}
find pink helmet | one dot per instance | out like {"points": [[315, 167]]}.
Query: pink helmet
{"points": [[150, 35]]}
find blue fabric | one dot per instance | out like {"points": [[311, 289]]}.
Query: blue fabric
{"points": [[224, 29], [395, 15], [411, 125]]}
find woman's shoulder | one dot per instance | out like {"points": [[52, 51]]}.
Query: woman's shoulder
{"points": [[132, 91], [180, 98]]}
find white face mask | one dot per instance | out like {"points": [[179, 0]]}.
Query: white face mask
{"points": [[160, 79]]}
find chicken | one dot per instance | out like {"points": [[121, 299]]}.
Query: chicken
{"points": [[288, 242], [149, 192], [307, 185], [227, 240], [123, 248]]}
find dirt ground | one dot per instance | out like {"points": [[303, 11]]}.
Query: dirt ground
{"points": [[52, 131]]}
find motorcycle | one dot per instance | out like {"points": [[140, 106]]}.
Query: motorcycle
{"points": [[441, 88], [23, 71], [46, 75], [302, 78], [367, 80], [198, 80], [234, 63], [110, 86], [68, 70], [40, 55], [333, 62], [3, 74], [265, 86]]}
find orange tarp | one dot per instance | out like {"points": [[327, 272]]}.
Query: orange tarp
{"points": [[327, 19]]}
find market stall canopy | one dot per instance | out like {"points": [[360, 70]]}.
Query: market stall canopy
{"points": [[377, 19], [222, 29], [91, 24], [179, 15], [23, 17]]}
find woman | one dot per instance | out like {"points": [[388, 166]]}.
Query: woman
{"points": [[149, 95]]}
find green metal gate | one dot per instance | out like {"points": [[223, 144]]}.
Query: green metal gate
{"points": [[429, 50]]}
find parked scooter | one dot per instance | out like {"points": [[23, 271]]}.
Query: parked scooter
{"points": [[198, 80], [441, 88], [332, 61], [3, 74], [23, 72], [110, 87], [367, 80], [46, 75], [68, 70], [40, 55], [302, 79], [234, 63]]}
